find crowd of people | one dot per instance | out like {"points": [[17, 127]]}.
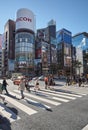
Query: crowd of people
{"points": [[48, 81], [80, 80]]}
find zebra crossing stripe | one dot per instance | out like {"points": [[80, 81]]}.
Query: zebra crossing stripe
{"points": [[19, 105], [60, 99], [67, 94], [31, 101], [58, 95], [86, 127], [6, 112], [40, 98]]}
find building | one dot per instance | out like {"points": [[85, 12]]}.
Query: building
{"points": [[45, 48], [24, 41], [0, 55], [9, 46], [64, 51], [80, 41]]}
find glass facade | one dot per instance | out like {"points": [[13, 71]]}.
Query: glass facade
{"points": [[64, 36], [64, 43], [80, 40], [24, 49]]}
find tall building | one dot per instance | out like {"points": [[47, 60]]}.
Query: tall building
{"points": [[24, 41], [45, 48], [64, 45], [9, 46], [80, 41], [0, 55]]}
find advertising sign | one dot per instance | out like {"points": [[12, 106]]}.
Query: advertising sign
{"points": [[25, 19]]}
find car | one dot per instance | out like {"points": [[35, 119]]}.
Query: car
{"points": [[41, 77]]}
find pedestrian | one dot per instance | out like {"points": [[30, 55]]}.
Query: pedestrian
{"points": [[26, 84], [68, 81], [36, 84], [46, 82], [4, 85], [22, 87], [1, 97], [51, 82], [80, 81]]}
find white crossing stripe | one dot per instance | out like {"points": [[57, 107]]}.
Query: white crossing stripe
{"points": [[40, 98], [6, 112], [58, 95], [68, 94], [85, 128], [60, 99], [19, 105], [30, 100]]}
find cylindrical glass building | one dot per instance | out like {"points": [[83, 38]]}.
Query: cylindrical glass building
{"points": [[24, 41]]}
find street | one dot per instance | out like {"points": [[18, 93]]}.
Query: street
{"points": [[64, 108]]}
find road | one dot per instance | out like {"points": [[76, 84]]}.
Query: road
{"points": [[64, 108]]}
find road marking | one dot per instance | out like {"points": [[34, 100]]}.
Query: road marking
{"points": [[22, 107], [60, 99], [40, 98], [6, 112], [44, 106], [68, 94], [58, 95], [86, 127]]}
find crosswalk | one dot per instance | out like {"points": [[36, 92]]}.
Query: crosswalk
{"points": [[43, 99]]}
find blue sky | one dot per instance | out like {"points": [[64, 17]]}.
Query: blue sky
{"points": [[69, 14]]}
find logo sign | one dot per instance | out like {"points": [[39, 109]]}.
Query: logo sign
{"points": [[24, 19]]}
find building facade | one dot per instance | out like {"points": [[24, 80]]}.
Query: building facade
{"points": [[64, 51], [9, 46], [45, 48], [80, 41], [24, 41]]}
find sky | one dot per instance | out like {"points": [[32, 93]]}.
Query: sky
{"points": [[69, 14]]}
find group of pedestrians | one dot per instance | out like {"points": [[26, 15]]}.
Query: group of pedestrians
{"points": [[77, 80], [49, 82]]}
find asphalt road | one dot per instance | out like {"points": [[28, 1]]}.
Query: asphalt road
{"points": [[66, 108]]}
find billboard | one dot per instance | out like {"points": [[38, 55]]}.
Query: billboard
{"points": [[25, 19], [43, 34]]}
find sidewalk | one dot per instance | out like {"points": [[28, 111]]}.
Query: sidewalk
{"points": [[61, 86], [75, 88]]}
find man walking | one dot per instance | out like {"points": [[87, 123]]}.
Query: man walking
{"points": [[22, 87], [4, 85]]}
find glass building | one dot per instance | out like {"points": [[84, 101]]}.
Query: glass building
{"points": [[80, 41], [64, 44], [24, 41], [24, 50]]}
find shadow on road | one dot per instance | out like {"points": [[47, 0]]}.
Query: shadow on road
{"points": [[4, 123], [37, 104]]}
